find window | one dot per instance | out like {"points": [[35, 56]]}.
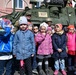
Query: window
{"points": [[18, 4]]}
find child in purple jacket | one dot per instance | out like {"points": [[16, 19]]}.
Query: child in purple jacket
{"points": [[44, 47]]}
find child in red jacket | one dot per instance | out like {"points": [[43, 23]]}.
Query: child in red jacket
{"points": [[71, 37]]}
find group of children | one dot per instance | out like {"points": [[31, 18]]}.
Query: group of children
{"points": [[37, 43]]}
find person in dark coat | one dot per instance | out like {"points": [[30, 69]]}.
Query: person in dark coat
{"points": [[59, 46]]}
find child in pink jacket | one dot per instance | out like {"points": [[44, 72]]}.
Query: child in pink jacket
{"points": [[44, 47], [71, 35]]}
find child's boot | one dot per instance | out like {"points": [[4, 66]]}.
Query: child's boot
{"points": [[75, 72], [35, 71], [41, 72], [56, 72], [47, 70], [64, 72]]}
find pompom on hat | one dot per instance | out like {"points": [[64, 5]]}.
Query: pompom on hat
{"points": [[23, 20], [71, 27]]}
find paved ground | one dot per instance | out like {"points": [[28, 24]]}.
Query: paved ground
{"points": [[16, 67], [51, 73], [69, 73], [51, 70]]}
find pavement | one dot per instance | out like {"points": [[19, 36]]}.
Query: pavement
{"points": [[51, 71]]}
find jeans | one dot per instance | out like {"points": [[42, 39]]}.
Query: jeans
{"points": [[8, 66], [71, 60], [59, 64], [34, 64]]}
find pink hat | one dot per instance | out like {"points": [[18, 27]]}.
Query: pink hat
{"points": [[59, 25], [71, 26], [49, 28]]}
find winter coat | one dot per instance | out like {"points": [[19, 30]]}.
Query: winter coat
{"points": [[44, 44], [24, 44], [59, 42], [6, 42], [71, 43]]}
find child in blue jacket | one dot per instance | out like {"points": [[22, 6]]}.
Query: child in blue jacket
{"points": [[24, 46], [6, 38]]}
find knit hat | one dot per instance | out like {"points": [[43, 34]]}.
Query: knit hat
{"points": [[44, 24], [49, 28], [71, 27], [59, 25], [23, 20]]}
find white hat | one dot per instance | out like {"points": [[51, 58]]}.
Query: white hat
{"points": [[23, 20], [44, 24]]}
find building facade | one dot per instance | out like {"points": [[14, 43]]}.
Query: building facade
{"points": [[6, 6]]}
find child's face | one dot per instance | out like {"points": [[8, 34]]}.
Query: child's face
{"points": [[49, 32], [30, 27], [23, 27], [49, 23], [43, 29], [71, 30], [35, 29], [57, 28], [28, 17]]}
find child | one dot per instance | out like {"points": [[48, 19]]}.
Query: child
{"points": [[35, 30], [59, 46], [49, 30], [24, 46], [6, 40], [71, 37], [44, 47], [30, 27], [34, 65]]}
